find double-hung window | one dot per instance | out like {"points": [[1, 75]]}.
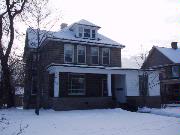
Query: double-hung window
{"points": [[81, 54], [68, 53], [94, 55], [105, 56]]}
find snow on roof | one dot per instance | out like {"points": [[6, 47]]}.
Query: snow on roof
{"points": [[33, 38], [85, 22], [68, 35], [172, 54]]}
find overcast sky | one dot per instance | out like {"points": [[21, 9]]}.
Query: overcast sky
{"points": [[130, 22]]}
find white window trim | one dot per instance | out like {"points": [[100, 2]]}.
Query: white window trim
{"points": [[91, 34], [78, 55], [77, 94], [91, 56], [64, 53], [86, 27], [103, 56]]}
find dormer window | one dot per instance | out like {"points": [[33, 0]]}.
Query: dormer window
{"points": [[80, 31], [86, 33], [93, 32]]}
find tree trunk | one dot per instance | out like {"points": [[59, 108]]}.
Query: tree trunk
{"points": [[8, 92]]}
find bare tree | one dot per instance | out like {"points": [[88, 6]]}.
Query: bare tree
{"points": [[39, 18], [9, 11], [141, 57], [16, 67], [148, 79]]}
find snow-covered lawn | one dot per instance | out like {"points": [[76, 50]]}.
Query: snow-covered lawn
{"points": [[86, 122], [169, 111]]}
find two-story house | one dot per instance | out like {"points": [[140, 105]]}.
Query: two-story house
{"points": [[167, 62], [80, 69]]}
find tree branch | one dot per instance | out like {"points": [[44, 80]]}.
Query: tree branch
{"points": [[11, 26]]}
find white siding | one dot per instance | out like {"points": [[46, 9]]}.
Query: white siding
{"points": [[154, 85], [132, 83]]}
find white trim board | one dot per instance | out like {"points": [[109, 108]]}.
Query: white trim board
{"points": [[61, 68]]}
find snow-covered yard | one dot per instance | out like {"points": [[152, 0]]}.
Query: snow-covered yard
{"points": [[169, 111], [86, 122]]}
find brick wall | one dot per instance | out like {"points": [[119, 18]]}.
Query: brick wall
{"points": [[53, 52], [154, 59]]}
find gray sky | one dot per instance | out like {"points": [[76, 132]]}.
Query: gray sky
{"points": [[137, 24], [130, 22]]}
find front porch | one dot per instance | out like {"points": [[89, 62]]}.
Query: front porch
{"points": [[84, 88]]}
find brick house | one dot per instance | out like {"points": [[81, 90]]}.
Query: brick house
{"points": [[167, 62], [80, 69]]}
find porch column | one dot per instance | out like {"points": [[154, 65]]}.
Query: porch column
{"points": [[56, 84], [109, 84]]}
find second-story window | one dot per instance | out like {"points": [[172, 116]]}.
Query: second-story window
{"points": [[68, 53], [86, 33], [81, 54], [94, 55], [175, 71], [105, 56]]}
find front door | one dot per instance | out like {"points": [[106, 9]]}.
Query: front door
{"points": [[120, 88]]}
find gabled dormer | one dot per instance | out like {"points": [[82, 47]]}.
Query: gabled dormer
{"points": [[84, 29]]}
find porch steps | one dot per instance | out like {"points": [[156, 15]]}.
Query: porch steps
{"points": [[82, 103]]}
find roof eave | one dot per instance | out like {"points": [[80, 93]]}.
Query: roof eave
{"points": [[93, 43]]}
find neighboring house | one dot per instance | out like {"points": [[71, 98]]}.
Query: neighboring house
{"points": [[167, 62], [81, 69]]}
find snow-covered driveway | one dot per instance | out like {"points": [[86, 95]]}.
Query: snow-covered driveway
{"points": [[87, 122]]}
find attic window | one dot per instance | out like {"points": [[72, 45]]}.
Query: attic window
{"points": [[86, 33], [93, 34], [80, 31]]}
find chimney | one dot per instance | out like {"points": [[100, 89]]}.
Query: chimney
{"points": [[174, 45], [63, 25]]}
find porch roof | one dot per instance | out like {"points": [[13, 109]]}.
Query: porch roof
{"points": [[52, 68]]}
